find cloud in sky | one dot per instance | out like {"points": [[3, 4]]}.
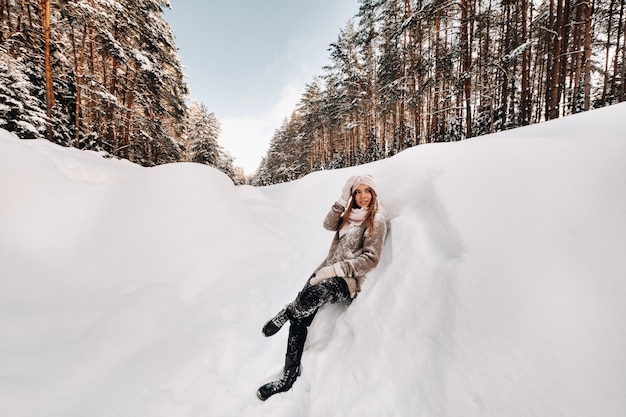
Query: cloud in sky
{"points": [[249, 61], [247, 137]]}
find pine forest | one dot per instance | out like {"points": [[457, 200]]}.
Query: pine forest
{"points": [[408, 72], [106, 76], [102, 75]]}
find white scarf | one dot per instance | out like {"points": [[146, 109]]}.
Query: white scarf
{"points": [[356, 218]]}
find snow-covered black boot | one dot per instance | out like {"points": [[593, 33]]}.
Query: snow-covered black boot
{"points": [[290, 374], [273, 326]]}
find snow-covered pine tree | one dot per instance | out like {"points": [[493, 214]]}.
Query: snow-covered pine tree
{"points": [[200, 136], [201, 133], [157, 90], [21, 111], [113, 69]]}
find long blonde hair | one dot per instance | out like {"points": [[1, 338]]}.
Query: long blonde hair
{"points": [[371, 213]]}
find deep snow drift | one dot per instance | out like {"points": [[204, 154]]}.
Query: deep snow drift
{"points": [[129, 291]]}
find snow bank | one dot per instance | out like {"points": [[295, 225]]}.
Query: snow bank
{"points": [[130, 291]]}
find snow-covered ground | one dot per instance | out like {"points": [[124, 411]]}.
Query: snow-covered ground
{"points": [[130, 291]]}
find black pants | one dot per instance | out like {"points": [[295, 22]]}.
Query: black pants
{"points": [[303, 309]]}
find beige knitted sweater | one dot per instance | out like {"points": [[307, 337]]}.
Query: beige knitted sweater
{"points": [[356, 252]]}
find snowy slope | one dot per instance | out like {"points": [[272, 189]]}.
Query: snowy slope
{"points": [[129, 291]]}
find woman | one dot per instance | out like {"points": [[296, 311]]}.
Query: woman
{"points": [[355, 250]]}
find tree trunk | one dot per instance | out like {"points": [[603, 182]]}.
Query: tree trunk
{"points": [[588, 10], [552, 99], [45, 7], [525, 93], [505, 46], [620, 31], [466, 60], [622, 96], [608, 50], [434, 104], [79, 59], [577, 58]]}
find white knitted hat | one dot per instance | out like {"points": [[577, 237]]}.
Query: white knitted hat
{"points": [[364, 179]]}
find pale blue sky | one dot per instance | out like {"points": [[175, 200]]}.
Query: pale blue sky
{"points": [[248, 61]]}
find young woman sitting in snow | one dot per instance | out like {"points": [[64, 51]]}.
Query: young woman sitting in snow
{"points": [[355, 250]]}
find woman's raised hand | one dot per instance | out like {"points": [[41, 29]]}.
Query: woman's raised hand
{"points": [[346, 191]]}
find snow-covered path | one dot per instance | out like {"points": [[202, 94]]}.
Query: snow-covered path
{"points": [[127, 291]]}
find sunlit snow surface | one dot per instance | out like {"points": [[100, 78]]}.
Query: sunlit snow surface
{"points": [[129, 291]]}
